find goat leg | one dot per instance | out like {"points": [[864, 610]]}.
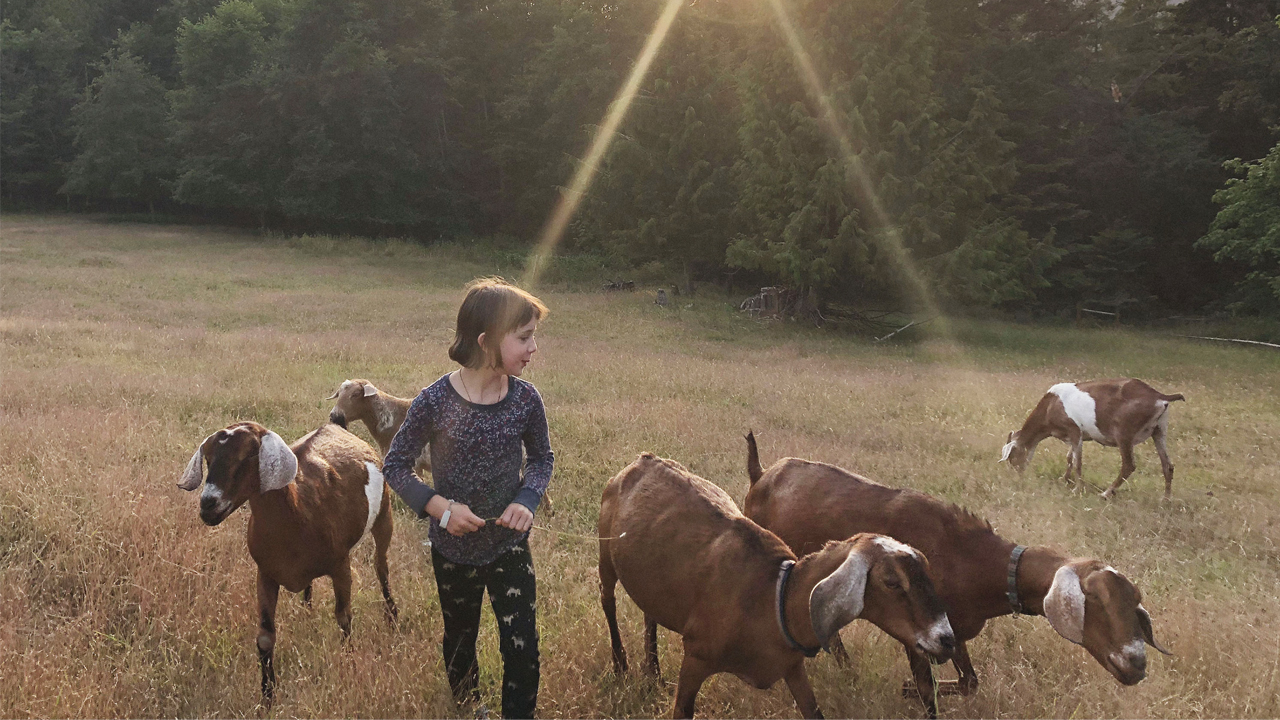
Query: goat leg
{"points": [[342, 596], [693, 672], [802, 691], [608, 601], [926, 686], [1166, 466], [1126, 467], [651, 645], [968, 682], [838, 650], [268, 595], [382, 541]]}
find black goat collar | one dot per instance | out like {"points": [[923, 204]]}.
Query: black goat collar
{"points": [[1013, 578], [783, 574]]}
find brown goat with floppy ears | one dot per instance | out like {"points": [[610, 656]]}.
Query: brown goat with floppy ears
{"points": [[1116, 413], [695, 565], [977, 573], [310, 504]]}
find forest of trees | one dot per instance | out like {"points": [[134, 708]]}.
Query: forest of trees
{"points": [[1022, 154]]}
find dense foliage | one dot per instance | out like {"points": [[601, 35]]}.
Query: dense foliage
{"points": [[969, 153]]}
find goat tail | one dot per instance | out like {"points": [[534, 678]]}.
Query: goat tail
{"points": [[753, 458], [1172, 398]]}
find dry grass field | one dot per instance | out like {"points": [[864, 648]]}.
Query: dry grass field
{"points": [[124, 345]]}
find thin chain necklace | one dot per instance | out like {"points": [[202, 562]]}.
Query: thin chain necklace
{"points": [[466, 391]]}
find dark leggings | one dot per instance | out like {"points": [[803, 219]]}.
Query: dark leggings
{"points": [[512, 592]]}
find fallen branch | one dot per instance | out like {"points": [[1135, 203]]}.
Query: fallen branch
{"points": [[1234, 340], [904, 327]]}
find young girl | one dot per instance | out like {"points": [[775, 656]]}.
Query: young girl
{"points": [[476, 419]]}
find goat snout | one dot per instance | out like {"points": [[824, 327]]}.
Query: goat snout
{"points": [[1129, 664], [938, 642], [213, 508], [337, 417]]}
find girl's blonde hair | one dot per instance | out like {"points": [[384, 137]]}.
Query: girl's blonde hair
{"points": [[492, 307]]}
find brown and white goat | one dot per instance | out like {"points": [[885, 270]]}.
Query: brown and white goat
{"points": [[382, 413], [977, 573], [309, 505], [1117, 413], [740, 599]]}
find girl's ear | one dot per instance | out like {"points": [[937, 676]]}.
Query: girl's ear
{"points": [[480, 339]]}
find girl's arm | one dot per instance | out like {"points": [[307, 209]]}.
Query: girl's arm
{"points": [[539, 458], [397, 468]]}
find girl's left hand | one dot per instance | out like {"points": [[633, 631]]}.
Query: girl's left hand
{"points": [[517, 517]]}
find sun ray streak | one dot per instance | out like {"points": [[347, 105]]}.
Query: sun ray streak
{"points": [[572, 196], [886, 234]]}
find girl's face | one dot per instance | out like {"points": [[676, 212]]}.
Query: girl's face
{"points": [[518, 347]]}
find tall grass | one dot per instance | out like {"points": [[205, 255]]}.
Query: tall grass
{"points": [[124, 345]]}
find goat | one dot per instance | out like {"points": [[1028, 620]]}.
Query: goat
{"points": [[310, 504], [693, 564], [1117, 413], [979, 575], [382, 413]]}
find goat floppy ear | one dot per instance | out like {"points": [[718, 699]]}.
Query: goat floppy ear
{"points": [[277, 465], [837, 599], [1004, 454], [1064, 605], [1144, 622], [194, 474], [370, 390]]}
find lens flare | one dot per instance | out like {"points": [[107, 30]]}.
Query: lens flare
{"points": [[887, 237], [572, 196]]}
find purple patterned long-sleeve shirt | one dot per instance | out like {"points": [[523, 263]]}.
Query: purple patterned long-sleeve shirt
{"points": [[475, 460]]}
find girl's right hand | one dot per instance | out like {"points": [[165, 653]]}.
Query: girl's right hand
{"points": [[462, 520]]}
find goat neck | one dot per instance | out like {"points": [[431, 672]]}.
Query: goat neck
{"points": [[1036, 571], [808, 572]]}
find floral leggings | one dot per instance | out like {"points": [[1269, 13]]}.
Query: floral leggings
{"points": [[513, 593]]}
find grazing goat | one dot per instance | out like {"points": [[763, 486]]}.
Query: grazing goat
{"points": [[310, 504], [738, 596], [979, 575], [1117, 413], [383, 414]]}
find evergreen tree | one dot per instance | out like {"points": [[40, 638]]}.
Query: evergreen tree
{"points": [[663, 196], [122, 135], [231, 131]]}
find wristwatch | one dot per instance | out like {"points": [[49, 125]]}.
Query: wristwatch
{"points": [[444, 519]]}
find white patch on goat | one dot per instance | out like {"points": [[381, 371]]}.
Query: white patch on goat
{"points": [[938, 630], [373, 491], [1081, 408], [212, 492], [385, 419], [893, 547], [1134, 648]]}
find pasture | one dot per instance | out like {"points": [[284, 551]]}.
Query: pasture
{"points": [[125, 345]]}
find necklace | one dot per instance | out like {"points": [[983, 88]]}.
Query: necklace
{"points": [[465, 390]]}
